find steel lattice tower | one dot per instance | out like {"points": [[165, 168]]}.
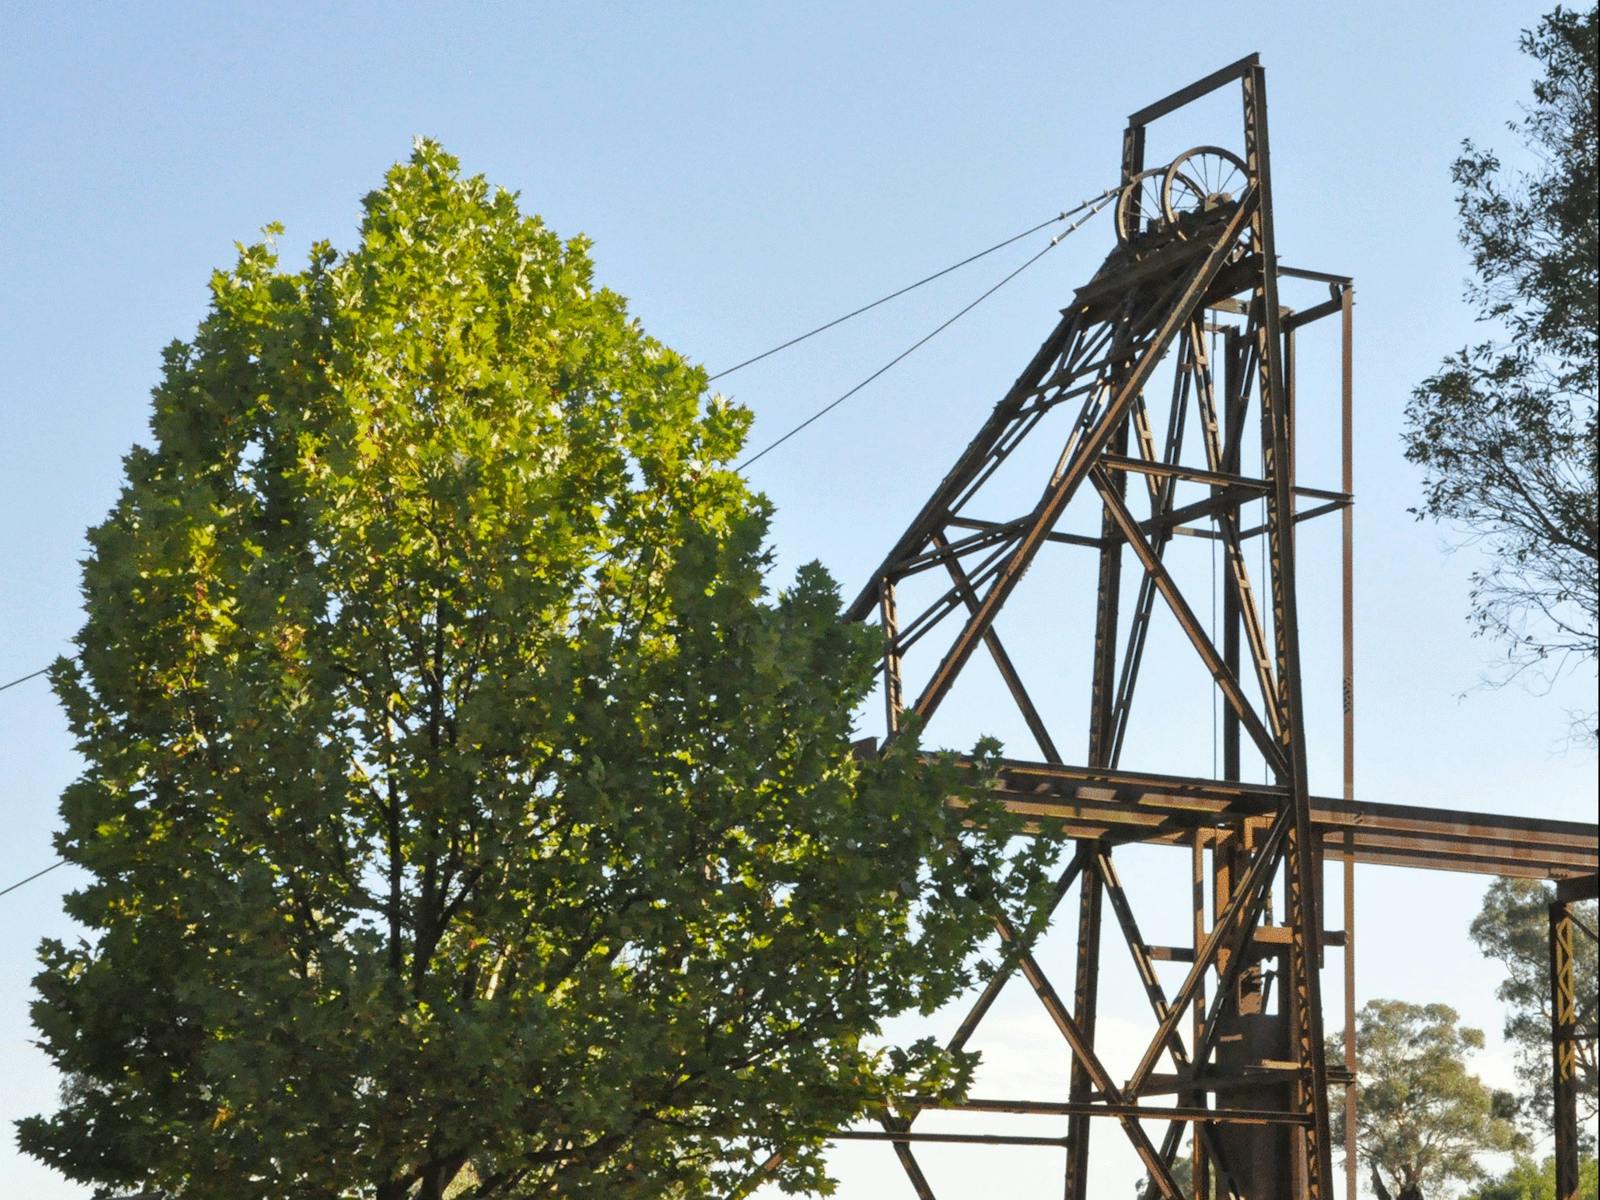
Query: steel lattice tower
{"points": [[1195, 249], [1168, 385]]}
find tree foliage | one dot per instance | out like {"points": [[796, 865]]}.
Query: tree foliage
{"points": [[1513, 929], [1182, 1170], [462, 813], [1527, 1179], [1505, 432], [1422, 1118]]}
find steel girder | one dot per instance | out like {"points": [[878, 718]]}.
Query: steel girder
{"points": [[1252, 1084], [1156, 299]]}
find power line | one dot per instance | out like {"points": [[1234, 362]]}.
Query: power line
{"points": [[1094, 203], [1094, 206], [910, 287], [1098, 203], [24, 678], [60, 862]]}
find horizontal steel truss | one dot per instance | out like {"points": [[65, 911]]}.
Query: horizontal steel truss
{"points": [[1202, 811], [1128, 806], [1149, 300], [1260, 1122]]}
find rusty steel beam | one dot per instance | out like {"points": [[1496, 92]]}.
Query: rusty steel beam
{"points": [[1517, 863], [1584, 887], [1065, 539], [903, 1137], [1257, 487], [1002, 660], [1085, 998], [1234, 923], [1192, 92], [1128, 526], [1083, 1052], [1140, 806], [1162, 493], [1314, 1157], [1154, 1112], [1205, 267], [1085, 822], [1008, 967], [1080, 458], [1564, 1050]]}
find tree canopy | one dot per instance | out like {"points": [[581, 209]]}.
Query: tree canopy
{"points": [[1505, 431], [1513, 929], [1422, 1118], [1527, 1179], [463, 813]]}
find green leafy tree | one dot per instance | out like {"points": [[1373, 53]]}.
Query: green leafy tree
{"points": [[1182, 1169], [1422, 1118], [1513, 929], [1505, 432], [463, 816], [1527, 1179]]}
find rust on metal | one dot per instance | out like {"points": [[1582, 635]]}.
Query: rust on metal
{"points": [[1190, 287]]}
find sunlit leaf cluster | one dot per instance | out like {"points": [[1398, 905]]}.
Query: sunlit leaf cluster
{"points": [[463, 813]]}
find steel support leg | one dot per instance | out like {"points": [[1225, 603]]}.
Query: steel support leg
{"points": [[1564, 1050]]}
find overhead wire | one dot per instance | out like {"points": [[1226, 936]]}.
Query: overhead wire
{"points": [[24, 678], [1097, 204], [60, 862], [911, 287], [1093, 205]]}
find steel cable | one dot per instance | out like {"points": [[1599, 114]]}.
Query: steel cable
{"points": [[23, 678], [911, 287], [60, 862], [1097, 204], [1094, 204]]}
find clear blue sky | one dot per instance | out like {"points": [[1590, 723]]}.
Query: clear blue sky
{"points": [[745, 172]]}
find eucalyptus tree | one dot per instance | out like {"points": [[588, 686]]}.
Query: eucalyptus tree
{"points": [[1423, 1119], [1505, 430]]}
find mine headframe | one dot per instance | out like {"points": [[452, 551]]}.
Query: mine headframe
{"points": [[1193, 277]]}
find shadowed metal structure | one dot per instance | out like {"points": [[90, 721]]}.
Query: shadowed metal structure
{"points": [[1168, 387]]}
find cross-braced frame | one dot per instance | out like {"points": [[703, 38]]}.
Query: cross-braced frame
{"points": [[1196, 262], [1162, 407]]}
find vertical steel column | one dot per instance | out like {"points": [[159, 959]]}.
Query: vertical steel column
{"points": [[1564, 1049], [1350, 1089], [1086, 984], [1347, 556], [1347, 532], [893, 701], [1104, 682], [1085, 992], [1102, 699], [1233, 414], [1304, 921], [1104, 686], [1289, 380], [1197, 884]]}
